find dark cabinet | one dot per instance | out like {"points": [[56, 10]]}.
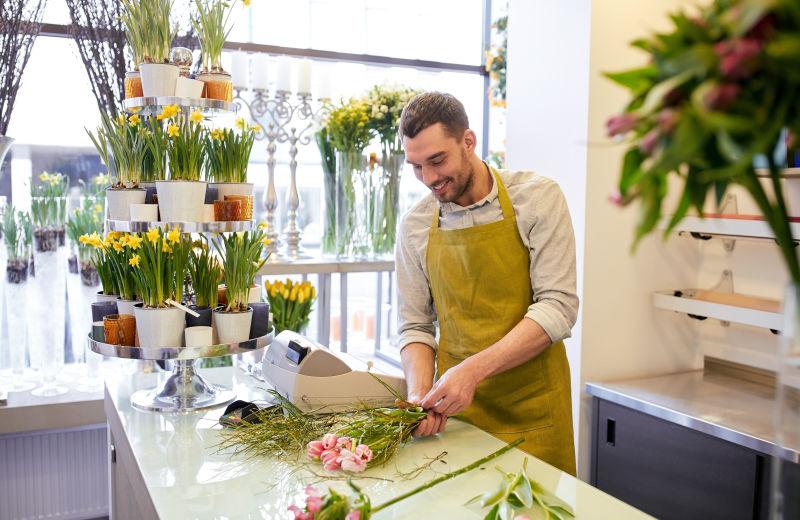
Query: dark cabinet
{"points": [[671, 471]]}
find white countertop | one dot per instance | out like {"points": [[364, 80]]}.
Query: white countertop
{"points": [[185, 478]]}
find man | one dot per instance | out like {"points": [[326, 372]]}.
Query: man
{"points": [[491, 257]]}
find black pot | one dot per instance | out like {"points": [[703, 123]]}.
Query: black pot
{"points": [[150, 195], [72, 262], [211, 195], [102, 309], [45, 240], [16, 272], [204, 320], [259, 326]]}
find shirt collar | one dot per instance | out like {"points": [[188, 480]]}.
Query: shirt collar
{"points": [[452, 207]]}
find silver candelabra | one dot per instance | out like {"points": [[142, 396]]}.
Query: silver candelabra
{"points": [[282, 121]]}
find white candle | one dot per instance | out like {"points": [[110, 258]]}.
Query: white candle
{"points": [[322, 75], [239, 69], [284, 80], [304, 77], [261, 72]]}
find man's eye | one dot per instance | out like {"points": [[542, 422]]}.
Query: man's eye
{"points": [[437, 162]]}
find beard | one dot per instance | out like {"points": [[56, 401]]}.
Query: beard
{"points": [[461, 186]]}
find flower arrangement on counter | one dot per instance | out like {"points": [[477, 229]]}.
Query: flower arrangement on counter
{"points": [[102, 263], [336, 506], [48, 210], [717, 95], [291, 304]]}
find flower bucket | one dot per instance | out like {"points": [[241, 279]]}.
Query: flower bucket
{"points": [[119, 201], [181, 201], [232, 327], [159, 327], [158, 79]]}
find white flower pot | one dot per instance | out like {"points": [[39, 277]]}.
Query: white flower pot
{"points": [[158, 79], [181, 201], [208, 213], [100, 297], [144, 212], [255, 294], [232, 188], [126, 306], [159, 327], [232, 327], [189, 88], [119, 201], [200, 336]]}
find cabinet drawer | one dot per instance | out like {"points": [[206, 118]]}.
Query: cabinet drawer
{"points": [[670, 471]]}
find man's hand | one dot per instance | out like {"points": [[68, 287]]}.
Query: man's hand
{"points": [[454, 391], [433, 424]]}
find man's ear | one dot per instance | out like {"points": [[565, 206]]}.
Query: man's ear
{"points": [[470, 140]]}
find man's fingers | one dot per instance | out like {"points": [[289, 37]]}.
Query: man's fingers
{"points": [[442, 424], [436, 393]]}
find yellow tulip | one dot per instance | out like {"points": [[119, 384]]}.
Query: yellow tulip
{"points": [[285, 294], [293, 294]]}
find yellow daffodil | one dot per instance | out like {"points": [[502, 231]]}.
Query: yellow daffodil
{"points": [[120, 119], [134, 261], [255, 128], [246, 3], [44, 176], [98, 208], [262, 225], [196, 117], [117, 247], [168, 112], [173, 130], [165, 247], [134, 242], [83, 239], [265, 241], [123, 240], [174, 235], [134, 120], [217, 134], [115, 235], [152, 235], [240, 124]]}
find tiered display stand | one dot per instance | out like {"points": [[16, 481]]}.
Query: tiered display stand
{"points": [[185, 389]]}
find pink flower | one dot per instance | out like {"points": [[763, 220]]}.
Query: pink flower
{"points": [[328, 455], [667, 119], [329, 441], [737, 56], [313, 503], [352, 462], [363, 452], [299, 514], [620, 124], [615, 198], [649, 141], [315, 449], [521, 517], [344, 443], [332, 465], [721, 96], [353, 515]]}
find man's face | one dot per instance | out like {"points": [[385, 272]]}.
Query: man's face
{"points": [[441, 162]]}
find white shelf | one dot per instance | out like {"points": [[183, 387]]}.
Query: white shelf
{"points": [[185, 227], [730, 227], [666, 300], [154, 105]]}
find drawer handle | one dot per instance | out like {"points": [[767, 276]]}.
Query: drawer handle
{"points": [[611, 432]]}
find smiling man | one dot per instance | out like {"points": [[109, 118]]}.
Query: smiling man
{"points": [[491, 256]]}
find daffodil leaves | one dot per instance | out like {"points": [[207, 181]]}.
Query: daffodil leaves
{"points": [[517, 493]]}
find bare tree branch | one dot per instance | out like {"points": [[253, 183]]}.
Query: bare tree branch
{"points": [[19, 26]]}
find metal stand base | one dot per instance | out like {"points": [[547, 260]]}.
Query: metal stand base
{"points": [[183, 391]]}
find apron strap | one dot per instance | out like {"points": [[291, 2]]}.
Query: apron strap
{"points": [[502, 195]]}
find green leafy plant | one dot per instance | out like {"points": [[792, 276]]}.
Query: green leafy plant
{"points": [[13, 236], [228, 152], [94, 191], [159, 262], [241, 260], [102, 262], [211, 24], [520, 493], [84, 221], [122, 147], [185, 151], [48, 200], [206, 274], [154, 165], [717, 95], [148, 29]]}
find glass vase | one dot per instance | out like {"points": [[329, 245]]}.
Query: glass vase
{"points": [[48, 312], [15, 294], [352, 237], [328, 245], [387, 199]]}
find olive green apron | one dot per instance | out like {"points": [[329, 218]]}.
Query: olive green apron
{"points": [[481, 287]]}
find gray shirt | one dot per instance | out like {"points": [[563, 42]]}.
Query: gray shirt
{"points": [[545, 228]]}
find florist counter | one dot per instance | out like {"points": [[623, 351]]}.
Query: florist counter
{"points": [[167, 466]]}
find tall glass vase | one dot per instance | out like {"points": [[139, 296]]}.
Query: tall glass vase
{"points": [[328, 245], [387, 199], [15, 294], [48, 310], [787, 410], [351, 236]]}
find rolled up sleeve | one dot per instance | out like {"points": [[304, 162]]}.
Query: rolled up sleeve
{"points": [[416, 315], [553, 276]]}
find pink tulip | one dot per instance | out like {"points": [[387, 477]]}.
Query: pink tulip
{"points": [[649, 141], [313, 504], [344, 443], [363, 452], [737, 56], [315, 449], [721, 96], [332, 465], [353, 515], [352, 462], [667, 119], [299, 514], [329, 440], [328, 455], [311, 491], [620, 124]]}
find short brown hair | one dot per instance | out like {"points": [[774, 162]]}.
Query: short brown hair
{"points": [[429, 108]]}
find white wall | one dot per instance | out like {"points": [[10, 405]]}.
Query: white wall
{"points": [[557, 106]]}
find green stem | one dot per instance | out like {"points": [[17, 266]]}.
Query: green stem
{"points": [[448, 476]]}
